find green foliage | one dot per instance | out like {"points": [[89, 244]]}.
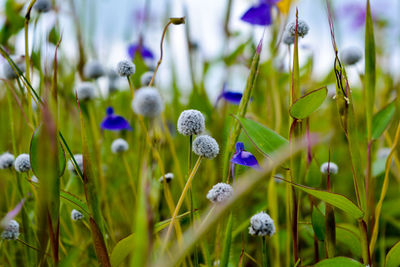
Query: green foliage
{"points": [[308, 103]]}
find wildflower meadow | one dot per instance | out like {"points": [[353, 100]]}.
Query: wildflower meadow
{"points": [[199, 133]]}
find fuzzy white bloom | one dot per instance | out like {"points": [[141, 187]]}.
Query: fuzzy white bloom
{"points": [[9, 72], [205, 146], [79, 161], [6, 160], [125, 68], [146, 77], [85, 91], [147, 102], [76, 215], [168, 177], [119, 145], [93, 70], [42, 6], [220, 193], [191, 122], [261, 224], [22, 163], [288, 38], [11, 232], [351, 55], [333, 168], [302, 28], [34, 179]]}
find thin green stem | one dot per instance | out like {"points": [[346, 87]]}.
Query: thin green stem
{"points": [[264, 252]]}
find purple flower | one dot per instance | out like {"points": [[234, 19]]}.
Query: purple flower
{"points": [[114, 122], [244, 158], [140, 48], [230, 96], [260, 14]]}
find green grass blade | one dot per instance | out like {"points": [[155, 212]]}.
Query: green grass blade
{"points": [[339, 261], [122, 250], [227, 242], [393, 256], [381, 120], [308, 103]]}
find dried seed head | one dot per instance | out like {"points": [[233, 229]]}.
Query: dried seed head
{"points": [[333, 168], [22, 163], [42, 6], [168, 177], [79, 161], [147, 102], [125, 68], [261, 224], [351, 55], [9, 72], [191, 122], [85, 91], [146, 77], [119, 145], [220, 193], [288, 38], [76, 215], [205, 146], [11, 232], [93, 70], [302, 28], [6, 160]]}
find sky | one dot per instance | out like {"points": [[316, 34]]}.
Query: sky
{"points": [[113, 24]]}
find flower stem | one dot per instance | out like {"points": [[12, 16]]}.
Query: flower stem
{"points": [[180, 201], [264, 252]]}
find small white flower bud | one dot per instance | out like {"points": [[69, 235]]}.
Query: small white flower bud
{"points": [[205, 146], [42, 6], [11, 232], [79, 161], [302, 28], [22, 163], [191, 122], [76, 215], [93, 70], [147, 102], [125, 68], [85, 91], [220, 193], [34, 179], [146, 77], [351, 55], [6, 160], [168, 177], [119, 145], [333, 168], [261, 224], [382, 153]]}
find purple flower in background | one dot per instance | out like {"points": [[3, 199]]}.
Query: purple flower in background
{"points": [[260, 14], [244, 158], [140, 48], [114, 122], [229, 96], [357, 12]]}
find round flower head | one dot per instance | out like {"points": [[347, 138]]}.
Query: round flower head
{"points": [[220, 192], [261, 224], [351, 55], [85, 91], [288, 38], [191, 122], [11, 232], [302, 28], [93, 70], [146, 77], [76, 215], [329, 166], [205, 146], [79, 161], [42, 6], [125, 68], [6, 160], [119, 145], [168, 177], [9, 72], [147, 102], [22, 163]]}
